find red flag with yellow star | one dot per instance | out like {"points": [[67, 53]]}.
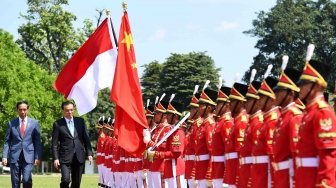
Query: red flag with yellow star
{"points": [[130, 119]]}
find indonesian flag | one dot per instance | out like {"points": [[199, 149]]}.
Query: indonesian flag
{"points": [[130, 119], [89, 70]]}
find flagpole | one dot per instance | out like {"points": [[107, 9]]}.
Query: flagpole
{"points": [[114, 35]]}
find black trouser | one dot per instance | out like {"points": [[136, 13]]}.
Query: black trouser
{"points": [[74, 168]]}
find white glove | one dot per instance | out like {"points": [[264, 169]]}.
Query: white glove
{"points": [[146, 139], [146, 132], [147, 136]]}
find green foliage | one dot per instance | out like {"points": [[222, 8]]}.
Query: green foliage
{"points": [[179, 74], [288, 28], [48, 36], [22, 79]]}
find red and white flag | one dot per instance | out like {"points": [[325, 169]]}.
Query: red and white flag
{"points": [[89, 70]]}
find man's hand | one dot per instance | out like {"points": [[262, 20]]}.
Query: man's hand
{"points": [[4, 161], [90, 159], [37, 162], [56, 164]]}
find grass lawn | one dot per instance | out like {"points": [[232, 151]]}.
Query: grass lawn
{"points": [[51, 181]]}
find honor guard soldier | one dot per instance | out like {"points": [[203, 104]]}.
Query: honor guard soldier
{"points": [[255, 123], [291, 117], [156, 168], [316, 155], [189, 153], [255, 115], [203, 136], [108, 148], [174, 166], [149, 112], [100, 146], [220, 135], [260, 170], [237, 134]]}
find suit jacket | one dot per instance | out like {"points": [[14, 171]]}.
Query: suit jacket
{"points": [[30, 144], [64, 145]]}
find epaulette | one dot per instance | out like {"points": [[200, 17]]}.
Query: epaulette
{"points": [[227, 117], [211, 121], [244, 118], [322, 104], [274, 116], [296, 111], [260, 117]]}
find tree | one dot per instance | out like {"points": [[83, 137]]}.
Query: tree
{"points": [[179, 74], [288, 28], [20, 79], [49, 38], [150, 78]]}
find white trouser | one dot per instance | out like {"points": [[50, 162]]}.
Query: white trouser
{"points": [[100, 173], [154, 179], [139, 180], [104, 175], [191, 183], [123, 179], [172, 182], [201, 183], [117, 179], [110, 177], [217, 183]]}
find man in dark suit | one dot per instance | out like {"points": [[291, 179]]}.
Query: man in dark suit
{"points": [[23, 143], [70, 146]]}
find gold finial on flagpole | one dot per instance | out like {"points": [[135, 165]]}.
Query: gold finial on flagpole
{"points": [[107, 12], [124, 4]]}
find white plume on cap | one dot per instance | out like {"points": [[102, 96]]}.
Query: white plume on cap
{"points": [[310, 52], [103, 118], [268, 71], [206, 84], [284, 62], [162, 96], [253, 73], [171, 97], [196, 89], [236, 78], [220, 82], [109, 119], [147, 103], [156, 100]]}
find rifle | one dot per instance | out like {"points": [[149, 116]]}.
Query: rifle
{"points": [[170, 132]]}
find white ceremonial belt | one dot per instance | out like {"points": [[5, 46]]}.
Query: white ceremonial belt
{"points": [[131, 159], [306, 162], [122, 158], [189, 157], [116, 162], [219, 158], [260, 159], [137, 159], [246, 160], [281, 165], [232, 155], [202, 157], [99, 154]]}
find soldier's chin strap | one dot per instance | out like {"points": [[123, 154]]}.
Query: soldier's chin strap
{"points": [[206, 107], [311, 88], [283, 100], [234, 109], [254, 102], [263, 108], [222, 107]]}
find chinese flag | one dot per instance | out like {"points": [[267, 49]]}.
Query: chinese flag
{"points": [[130, 119]]}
